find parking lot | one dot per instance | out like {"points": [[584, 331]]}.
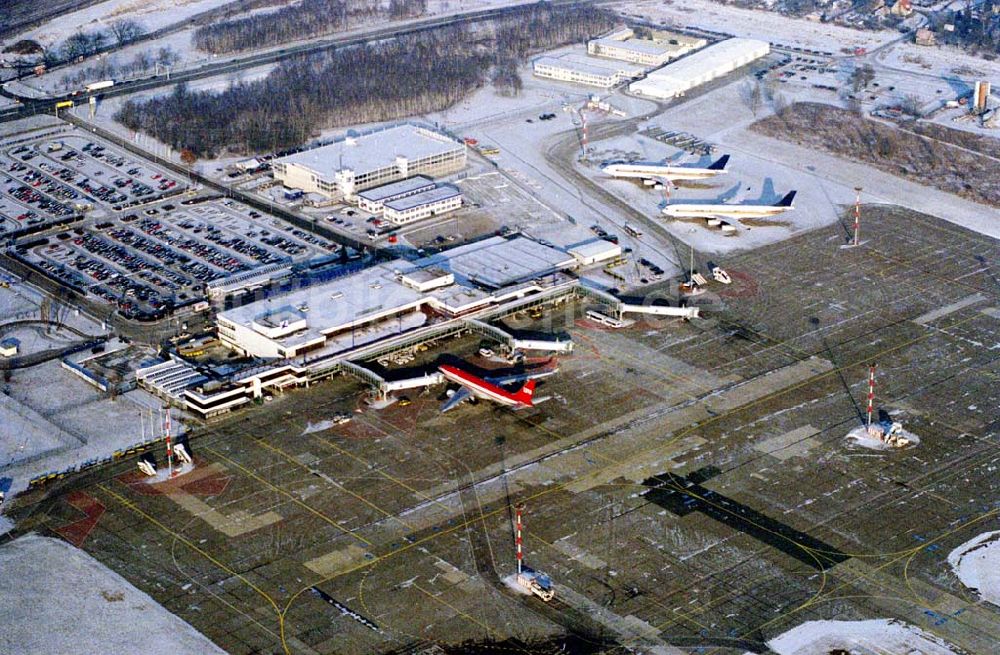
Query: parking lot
{"points": [[149, 261], [55, 177]]}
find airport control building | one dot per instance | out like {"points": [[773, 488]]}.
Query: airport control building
{"points": [[678, 78], [341, 169]]}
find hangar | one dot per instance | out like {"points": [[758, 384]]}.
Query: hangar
{"points": [[703, 66]]}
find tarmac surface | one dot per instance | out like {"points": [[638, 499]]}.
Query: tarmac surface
{"points": [[687, 485]]}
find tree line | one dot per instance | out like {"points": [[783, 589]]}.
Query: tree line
{"points": [[307, 19], [407, 76]]}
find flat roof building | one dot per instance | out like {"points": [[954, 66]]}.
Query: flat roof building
{"points": [[714, 61], [430, 202], [389, 298], [622, 44], [590, 71], [340, 170], [373, 200]]}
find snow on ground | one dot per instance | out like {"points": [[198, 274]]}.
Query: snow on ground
{"points": [[940, 60], [859, 436], [99, 612], [764, 25], [152, 14], [322, 426], [874, 637], [98, 424], [977, 565]]}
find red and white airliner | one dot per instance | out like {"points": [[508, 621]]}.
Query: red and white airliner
{"points": [[473, 386]]}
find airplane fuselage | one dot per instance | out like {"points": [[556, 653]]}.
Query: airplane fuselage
{"points": [[480, 388], [654, 171], [707, 211]]}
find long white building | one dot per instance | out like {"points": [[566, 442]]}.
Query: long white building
{"points": [[703, 66], [427, 203], [622, 44], [340, 170], [585, 70]]}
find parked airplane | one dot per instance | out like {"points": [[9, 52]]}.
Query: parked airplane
{"points": [[491, 388], [653, 171], [737, 211]]}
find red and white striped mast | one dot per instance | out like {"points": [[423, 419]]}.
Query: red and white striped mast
{"points": [[871, 392], [170, 449], [520, 556], [857, 216]]}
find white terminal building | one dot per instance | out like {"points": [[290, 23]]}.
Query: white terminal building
{"points": [[703, 66], [341, 169], [303, 335], [622, 44], [591, 71]]}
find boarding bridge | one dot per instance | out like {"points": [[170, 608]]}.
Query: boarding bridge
{"points": [[602, 297], [563, 346], [412, 383], [661, 310], [492, 332], [364, 374]]}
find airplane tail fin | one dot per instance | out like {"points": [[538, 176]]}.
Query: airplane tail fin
{"points": [[720, 165], [525, 393], [787, 200]]}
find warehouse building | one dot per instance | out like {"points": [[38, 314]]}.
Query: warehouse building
{"points": [[590, 71], [430, 202], [622, 44], [701, 67], [373, 200], [342, 169]]}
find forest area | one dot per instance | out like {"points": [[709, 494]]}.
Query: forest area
{"points": [[304, 20], [904, 151], [407, 76]]}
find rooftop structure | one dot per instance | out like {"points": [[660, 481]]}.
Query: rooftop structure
{"points": [[429, 202], [342, 169], [384, 299], [497, 262], [701, 67], [9, 347], [373, 200], [571, 67], [622, 44]]}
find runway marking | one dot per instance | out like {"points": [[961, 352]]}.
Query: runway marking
{"points": [[77, 532], [288, 495], [286, 456]]}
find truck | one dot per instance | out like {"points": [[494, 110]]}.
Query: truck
{"points": [[97, 86]]}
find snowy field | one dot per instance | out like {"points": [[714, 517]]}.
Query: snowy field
{"points": [[764, 25], [152, 14], [977, 565], [95, 609], [875, 637], [98, 424]]}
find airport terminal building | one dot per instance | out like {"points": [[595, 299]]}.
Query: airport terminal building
{"points": [[340, 170]]}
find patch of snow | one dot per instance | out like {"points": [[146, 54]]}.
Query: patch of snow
{"points": [[322, 426], [107, 613], [872, 637], [859, 436], [977, 565]]}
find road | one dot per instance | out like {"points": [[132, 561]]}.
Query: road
{"points": [[31, 106]]}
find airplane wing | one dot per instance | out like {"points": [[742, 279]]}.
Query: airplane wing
{"points": [[456, 399], [514, 378]]}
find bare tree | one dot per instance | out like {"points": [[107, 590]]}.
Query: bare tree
{"points": [[911, 105], [126, 30], [751, 94]]}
